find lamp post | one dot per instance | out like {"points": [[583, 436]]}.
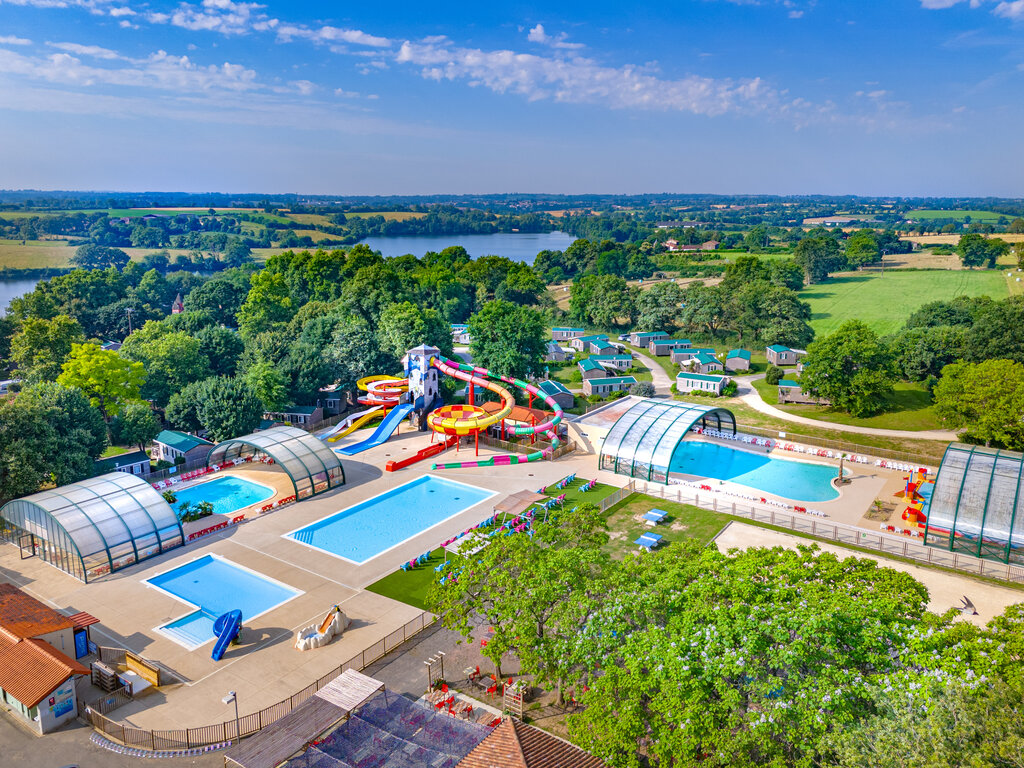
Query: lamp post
{"points": [[229, 699], [128, 311]]}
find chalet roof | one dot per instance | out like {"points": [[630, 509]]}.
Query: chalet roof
{"points": [[22, 616], [738, 353], [180, 441], [31, 669], [589, 364], [778, 348], [516, 745], [699, 377]]}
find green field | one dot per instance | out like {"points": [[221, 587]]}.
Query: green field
{"points": [[885, 301], [35, 254], [925, 215]]}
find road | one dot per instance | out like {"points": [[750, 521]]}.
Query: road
{"points": [[662, 382], [750, 396]]}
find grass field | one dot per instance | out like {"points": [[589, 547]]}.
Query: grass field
{"points": [[35, 254], [924, 214], [389, 215], [910, 408], [885, 301]]}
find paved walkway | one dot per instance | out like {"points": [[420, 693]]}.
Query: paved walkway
{"points": [[661, 380], [746, 393]]}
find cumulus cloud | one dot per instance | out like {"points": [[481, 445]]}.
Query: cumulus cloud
{"points": [[327, 34], [223, 16], [93, 51], [1007, 9], [582, 80], [538, 35], [12, 40]]}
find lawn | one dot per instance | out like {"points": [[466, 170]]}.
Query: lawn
{"points": [[684, 522], [929, 214], [910, 408], [885, 301], [35, 254]]}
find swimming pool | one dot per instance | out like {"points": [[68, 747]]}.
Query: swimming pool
{"points": [[796, 480], [374, 526], [227, 494], [211, 586]]}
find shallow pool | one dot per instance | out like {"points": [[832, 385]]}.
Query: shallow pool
{"points": [[374, 526], [227, 494], [211, 586], [796, 480]]}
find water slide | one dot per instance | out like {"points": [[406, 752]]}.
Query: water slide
{"points": [[226, 627], [382, 390], [383, 431], [468, 419], [352, 423], [431, 450]]}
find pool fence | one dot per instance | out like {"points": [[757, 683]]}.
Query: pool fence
{"points": [[230, 731], [808, 525]]}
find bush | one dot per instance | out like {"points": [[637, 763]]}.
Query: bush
{"points": [[616, 395], [774, 374], [170, 496], [642, 389], [187, 513], [179, 460], [730, 389]]}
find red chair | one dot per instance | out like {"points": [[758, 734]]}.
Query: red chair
{"points": [[492, 690], [444, 687]]}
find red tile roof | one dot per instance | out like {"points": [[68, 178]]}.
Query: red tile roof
{"points": [[82, 620], [31, 669], [25, 617], [516, 745]]}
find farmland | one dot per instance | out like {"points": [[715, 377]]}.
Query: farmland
{"points": [[930, 215], [885, 301]]}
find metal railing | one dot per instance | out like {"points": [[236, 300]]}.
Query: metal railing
{"points": [[884, 543], [610, 501], [229, 730]]}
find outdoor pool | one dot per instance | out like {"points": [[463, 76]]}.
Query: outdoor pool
{"points": [[796, 480], [227, 494], [211, 586], [374, 526]]}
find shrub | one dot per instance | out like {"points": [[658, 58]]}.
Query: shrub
{"points": [[774, 374], [730, 389], [642, 389], [170, 496]]}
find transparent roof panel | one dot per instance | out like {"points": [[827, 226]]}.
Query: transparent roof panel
{"points": [[298, 453]]}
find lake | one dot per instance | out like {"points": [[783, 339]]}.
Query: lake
{"points": [[12, 289], [518, 246]]}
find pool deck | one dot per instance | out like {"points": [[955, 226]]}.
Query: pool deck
{"points": [[266, 668]]}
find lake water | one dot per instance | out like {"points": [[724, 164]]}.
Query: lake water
{"points": [[12, 289], [518, 246]]}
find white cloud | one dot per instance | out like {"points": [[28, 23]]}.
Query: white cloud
{"points": [[305, 87], [582, 80], [288, 32], [1010, 10], [224, 16], [12, 40], [538, 35], [93, 51], [1007, 9], [120, 11], [796, 14]]}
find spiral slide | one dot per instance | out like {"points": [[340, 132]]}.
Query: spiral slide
{"points": [[469, 419]]}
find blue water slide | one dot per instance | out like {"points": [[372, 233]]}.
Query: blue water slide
{"points": [[383, 431], [226, 628]]}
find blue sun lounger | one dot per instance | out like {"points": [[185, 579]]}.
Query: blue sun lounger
{"points": [[655, 516], [648, 541]]}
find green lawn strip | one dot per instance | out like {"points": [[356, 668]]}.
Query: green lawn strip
{"points": [[574, 496], [910, 408], [114, 450], [884, 301], [703, 525], [410, 587], [926, 214]]}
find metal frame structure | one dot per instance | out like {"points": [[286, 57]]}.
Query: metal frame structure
{"points": [[93, 527], [976, 505], [641, 443], [312, 467]]}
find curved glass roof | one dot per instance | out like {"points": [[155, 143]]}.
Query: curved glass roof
{"points": [[977, 505], [642, 441], [310, 464], [97, 525]]}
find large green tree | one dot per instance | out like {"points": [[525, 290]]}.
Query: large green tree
{"points": [[268, 303], [602, 300], [404, 326], [92, 256], [852, 369], [41, 346], [862, 248], [507, 339], [107, 379], [224, 406], [658, 307], [136, 425], [172, 359], [819, 257], [985, 399]]}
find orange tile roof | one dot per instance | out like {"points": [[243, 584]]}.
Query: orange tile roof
{"points": [[516, 745], [31, 669], [25, 617]]}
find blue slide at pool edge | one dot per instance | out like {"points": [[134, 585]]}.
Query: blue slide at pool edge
{"points": [[226, 628], [383, 431]]}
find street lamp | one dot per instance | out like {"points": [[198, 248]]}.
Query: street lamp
{"points": [[232, 698], [128, 311]]}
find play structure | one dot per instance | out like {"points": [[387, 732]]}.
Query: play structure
{"points": [[416, 396], [320, 634], [226, 627], [916, 491], [354, 422]]}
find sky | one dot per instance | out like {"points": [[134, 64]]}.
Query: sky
{"points": [[871, 97]]}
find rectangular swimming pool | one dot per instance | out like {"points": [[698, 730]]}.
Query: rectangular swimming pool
{"points": [[211, 585], [374, 526], [228, 494]]}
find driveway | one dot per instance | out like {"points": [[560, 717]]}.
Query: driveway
{"points": [[747, 394], [661, 380]]}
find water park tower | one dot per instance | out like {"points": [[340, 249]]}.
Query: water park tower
{"points": [[423, 383]]}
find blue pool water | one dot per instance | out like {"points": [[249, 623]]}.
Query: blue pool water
{"points": [[214, 586], [227, 494], [796, 480], [369, 528]]}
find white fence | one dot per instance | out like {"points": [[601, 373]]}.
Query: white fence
{"points": [[884, 543]]}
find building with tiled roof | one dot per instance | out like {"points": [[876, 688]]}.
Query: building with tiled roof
{"points": [[513, 744], [37, 677]]}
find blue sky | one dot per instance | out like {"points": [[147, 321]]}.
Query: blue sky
{"points": [[886, 97]]}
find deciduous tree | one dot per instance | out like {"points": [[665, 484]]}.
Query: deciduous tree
{"points": [[507, 339], [107, 379], [852, 369]]}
